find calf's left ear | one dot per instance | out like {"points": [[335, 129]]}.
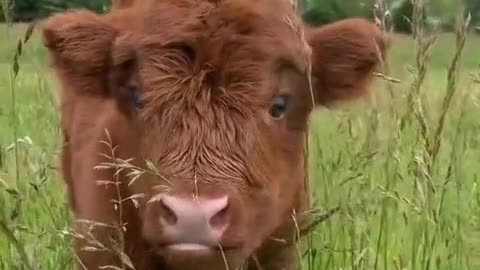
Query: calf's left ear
{"points": [[78, 42], [344, 56]]}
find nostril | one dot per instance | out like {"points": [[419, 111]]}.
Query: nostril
{"points": [[221, 218], [195, 215], [167, 213]]}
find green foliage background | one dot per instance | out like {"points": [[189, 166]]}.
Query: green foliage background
{"points": [[440, 12], [27, 10]]}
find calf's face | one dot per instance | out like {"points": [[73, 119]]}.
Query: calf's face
{"points": [[216, 96]]}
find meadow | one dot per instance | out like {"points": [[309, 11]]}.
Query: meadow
{"points": [[397, 191]]}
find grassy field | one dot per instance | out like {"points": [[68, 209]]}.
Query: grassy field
{"points": [[402, 204]]}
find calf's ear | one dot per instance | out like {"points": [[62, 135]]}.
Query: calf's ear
{"points": [[344, 56], [79, 45]]}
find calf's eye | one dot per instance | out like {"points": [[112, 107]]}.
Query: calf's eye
{"points": [[278, 107], [136, 98]]}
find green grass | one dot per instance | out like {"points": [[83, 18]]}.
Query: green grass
{"points": [[396, 211]]}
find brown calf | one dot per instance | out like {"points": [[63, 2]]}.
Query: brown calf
{"points": [[216, 96]]}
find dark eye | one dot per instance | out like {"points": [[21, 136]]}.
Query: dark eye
{"points": [[279, 107], [137, 101]]}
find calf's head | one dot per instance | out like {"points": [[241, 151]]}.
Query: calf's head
{"points": [[216, 94]]}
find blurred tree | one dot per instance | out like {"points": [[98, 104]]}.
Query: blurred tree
{"points": [[401, 11], [27, 10], [58, 5], [401, 14], [320, 12], [24, 10], [441, 13], [473, 6], [444, 13]]}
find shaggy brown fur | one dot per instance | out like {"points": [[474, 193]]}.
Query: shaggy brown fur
{"points": [[206, 73]]}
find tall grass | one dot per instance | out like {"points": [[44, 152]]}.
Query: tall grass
{"points": [[395, 180], [399, 174]]}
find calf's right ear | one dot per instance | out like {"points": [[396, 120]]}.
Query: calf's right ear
{"points": [[344, 56], [78, 43]]}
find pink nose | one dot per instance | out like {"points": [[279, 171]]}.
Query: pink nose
{"points": [[197, 221]]}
